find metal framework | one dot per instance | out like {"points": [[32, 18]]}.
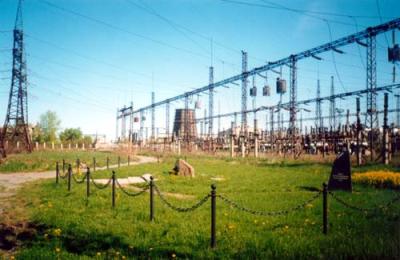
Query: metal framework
{"points": [[319, 123], [167, 119], [332, 106], [244, 93], [367, 35], [15, 128], [153, 116], [211, 101]]}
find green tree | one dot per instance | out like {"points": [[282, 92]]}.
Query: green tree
{"points": [[87, 140], [37, 134], [49, 125], [72, 135]]}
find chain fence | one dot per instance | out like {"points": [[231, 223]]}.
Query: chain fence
{"points": [[98, 186], [131, 194], [81, 180], [268, 213], [180, 209]]}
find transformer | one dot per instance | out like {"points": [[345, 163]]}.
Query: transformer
{"points": [[280, 86], [266, 91], [136, 119]]}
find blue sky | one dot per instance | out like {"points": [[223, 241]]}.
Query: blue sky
{"points": [[84, 69]]}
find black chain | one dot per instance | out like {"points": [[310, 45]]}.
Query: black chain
{"points": [[131, 193], [79, 181], [350, 206], [268, 213], [179, 209], [99, 186], [63, 177]]}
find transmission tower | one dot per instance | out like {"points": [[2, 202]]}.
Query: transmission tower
{"points": [[15, 129], [293, 97]]}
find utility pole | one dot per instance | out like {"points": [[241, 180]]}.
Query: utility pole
{"points": [[167, 120], [153, 133], [211, 101], [318, 112], [244, 93], [15, 129], [332, 108], [372, 117]]}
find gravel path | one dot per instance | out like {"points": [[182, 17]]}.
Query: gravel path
{"points": [[10, 182]]}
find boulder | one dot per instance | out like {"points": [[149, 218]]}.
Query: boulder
{"points": [[183, 168]]}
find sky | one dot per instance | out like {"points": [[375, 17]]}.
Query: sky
{"points": [[87, 58]]}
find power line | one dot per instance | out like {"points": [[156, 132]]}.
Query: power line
{"points": [[116, 28]]}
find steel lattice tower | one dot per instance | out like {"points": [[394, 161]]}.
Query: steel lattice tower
{"points": [[372, 117], [15, 127], [244, 92], [211, 102], [153, 116], [319, 124], [293, 96], [167, 119], [332, 108]]}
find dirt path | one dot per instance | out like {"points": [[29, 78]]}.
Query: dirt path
{"points": [[10, 182]]}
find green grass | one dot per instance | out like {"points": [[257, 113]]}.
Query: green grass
{"points": [[88, 228], [46, 160]]}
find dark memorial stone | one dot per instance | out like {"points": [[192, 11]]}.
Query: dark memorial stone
{"points": [[341, 173]]}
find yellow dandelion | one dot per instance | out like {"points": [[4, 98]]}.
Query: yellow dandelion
{"points": [[58, 250], [263, 223], [306, 220], [255, 221], [98, 254], [231, 226], [117, 253], [123, 257], [46, 235], [173, 255], [130, 247], [225, 214], [150, 249], [309, 205], [313, 223], [50, 205], [12, 257], [57, 232], [286, 227]]}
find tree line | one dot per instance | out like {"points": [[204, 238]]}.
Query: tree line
{"points": [[47, 130]]}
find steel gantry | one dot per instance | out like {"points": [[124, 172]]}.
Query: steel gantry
{"points": [[368, 34]]}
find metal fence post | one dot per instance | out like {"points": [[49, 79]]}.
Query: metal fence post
{"points": [[129, 160], [151, 198], [108, 163], [63, 166], [78, 164], [69, 176], [213, 215], [119, 161], [325, 208], [57, 172], [113, 189], [94, 164], [87, 182]]}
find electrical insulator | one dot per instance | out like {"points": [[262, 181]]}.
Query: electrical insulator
{"points": [[197, 105], [280, 86], [253, 91], [266, 91], [394, 53]]}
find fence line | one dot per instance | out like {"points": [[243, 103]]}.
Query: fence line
{"points": [[153, 188]]}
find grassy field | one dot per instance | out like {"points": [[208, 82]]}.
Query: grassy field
{"points": [[73, 228], [46, 160]]}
